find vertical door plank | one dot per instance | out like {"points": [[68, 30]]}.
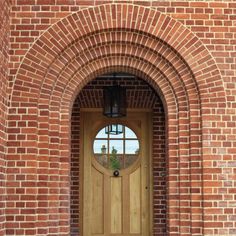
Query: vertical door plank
{"points": [[97, 221], [135, 202], [87, 185], [126, 207], [116, 205]]}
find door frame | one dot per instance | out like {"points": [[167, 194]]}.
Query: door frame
{"points": [[149, 147]]}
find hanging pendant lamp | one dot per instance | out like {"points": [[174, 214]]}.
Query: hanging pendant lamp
{"points": [[114, 98]]}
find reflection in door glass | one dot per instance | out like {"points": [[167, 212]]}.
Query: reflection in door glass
{"points": [[116, 145], [102, 134], [132, 146], [116, 151], [116, 136], [130, 133], [100, 146]]}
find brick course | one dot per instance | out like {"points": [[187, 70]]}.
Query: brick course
{"points": [[187, 53], [4, 59]]}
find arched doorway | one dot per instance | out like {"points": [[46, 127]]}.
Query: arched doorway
{"points": [[74, 51], [142, 101]]}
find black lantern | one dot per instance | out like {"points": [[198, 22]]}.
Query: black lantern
{"points": [[114, 129], [114, 101]]}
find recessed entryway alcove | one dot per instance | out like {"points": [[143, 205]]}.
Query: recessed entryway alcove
{"points": [[142, 101]]}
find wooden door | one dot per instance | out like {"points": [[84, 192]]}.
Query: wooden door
{"points": [[116, 176]]}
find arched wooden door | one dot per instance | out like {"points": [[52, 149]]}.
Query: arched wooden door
{"points": [[116, 191]]}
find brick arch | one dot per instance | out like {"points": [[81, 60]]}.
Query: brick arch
{"points": [[113, 58], [75, 69], [61, 35], [136, 50], [53, 72]]}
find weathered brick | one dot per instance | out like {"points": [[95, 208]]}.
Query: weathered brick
{"points": [[188, 59]]}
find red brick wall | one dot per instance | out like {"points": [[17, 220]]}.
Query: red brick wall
{"points": [[4, 47], [202, 126], [139, 95], [75, 154], [159, 172]]}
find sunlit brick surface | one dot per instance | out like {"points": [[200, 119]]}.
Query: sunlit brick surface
{"points": [[184, 49], [4, 58]]}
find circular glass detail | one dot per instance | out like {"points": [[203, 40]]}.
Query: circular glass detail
{"points": [[116, 151]]}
